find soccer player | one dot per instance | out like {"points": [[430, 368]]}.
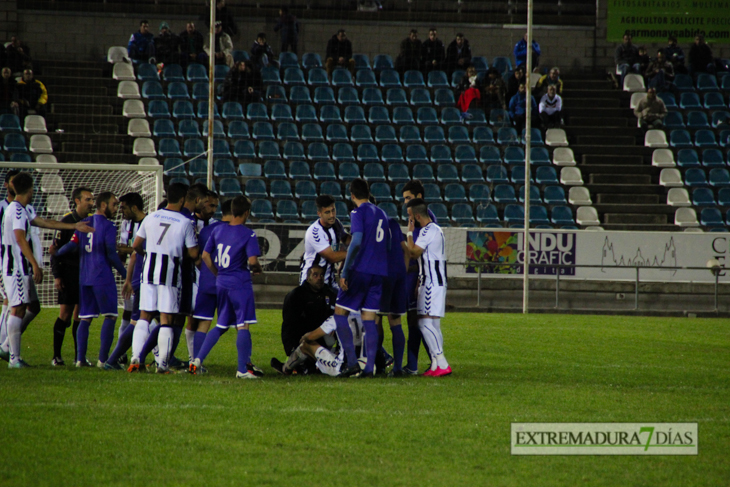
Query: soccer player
{"points": [[412, 190], [21, 271], [65, 271], [430, 248], [163, 238], [361, 283], [236, 249], [322, 242], [3, 205], [97, 288]]}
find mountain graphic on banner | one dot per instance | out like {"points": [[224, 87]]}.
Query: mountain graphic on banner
{"points": [[667, 259]]}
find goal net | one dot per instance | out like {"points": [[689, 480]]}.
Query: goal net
{"points": [[54, 184]]}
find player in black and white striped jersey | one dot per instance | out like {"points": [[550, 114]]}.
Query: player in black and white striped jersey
{"points": [[323, 243], [3, 205], [430, 249]]}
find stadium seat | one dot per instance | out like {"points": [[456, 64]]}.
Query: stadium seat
{"points": [[476, 117], [342, 77], [403, 116], [238, 130], [191, 148], [488, 214], [396, 97], [362, 62], [539, 156], [546, 175], [705, 138], [571, 176], [424, 173], [173, 72], [504, 194], [409, 134], [185, 128], [255, 112], [244, 149], [674, 120], [286, 131], [414, 79], [389, 78], [499, 118], [481, 64], [479, 193], [331, 188], [670, 177], [711, 217], [217, 128], [688, 158], [391, 153], [123, 72], [668, 98], [347, 95], [432, 193], [276, 94], [317, 77], [426, 116], [305, 190], [201, 91], [556, 138], [152, 90], [263, 131], [52, 183], [135, 109], [678, 197], [440, 212], [489, 155], [723, 197], [514, 156], [555, 195], [683, 82], [174, 166], [483, 135], [330, 114], [416, 154], [342, 152], [140, 127], [365, 78], [373, 172], [362, 133], [381, 192], [309, 210], [288, 60], [507, 136], [159, 109], [306, 114], [270, 75], [634, 82], [695, 177], [538, 215], [447, 173], [323, 95], [441, 154], [420, 97], [384, 134], [502, 63], [717, 177], [472, 173], [514, 214], [587, 216], [660, 158], [261, 209], [181, 109], [324, 171], [462, 213], [497, 175], [718, 118], [142, 147], [434, 135], [311, 60], [147, 72], [274, 169], [714, 101], [230, 187], [223, 168], [202, 111], [518, 173], [677, 138], [129, 90], [562, 215], [456, 77], [372, 96], [458, 134], [177, 90], [579, 195], [398, 173], [438, 79], [354, 114], [464, 154], [287, 210], [347, 171], [686, 217], [707, 82], [703, 197], [57, 204], [389, 208], [299, 95], [657, 138], [312, 132], [689, 100], [635, 99], [697, 120], [536, 137], [444, 97], [197, 72], [713, 158]]}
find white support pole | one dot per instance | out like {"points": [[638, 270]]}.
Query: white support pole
{"points": [[528, 140], [211, 93]]}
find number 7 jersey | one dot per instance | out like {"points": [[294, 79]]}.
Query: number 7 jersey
{"points": [[167, 234]]}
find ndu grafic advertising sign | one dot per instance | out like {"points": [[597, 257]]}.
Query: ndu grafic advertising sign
{"points": [[655, 20]]}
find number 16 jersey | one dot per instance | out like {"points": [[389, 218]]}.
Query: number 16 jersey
{"points": [[230, 247], [167, 234]]}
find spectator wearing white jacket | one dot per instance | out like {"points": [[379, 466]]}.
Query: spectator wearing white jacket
{"points": [[551, 108]]}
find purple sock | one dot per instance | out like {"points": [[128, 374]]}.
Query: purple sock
{"points": [[176, 333], [371, 344], [123, 344], [399, 345], [344, 335], [149, 344], [244, 346], [210, 340], [82, 335], [414, 345], [198, 340], [107, 338]]}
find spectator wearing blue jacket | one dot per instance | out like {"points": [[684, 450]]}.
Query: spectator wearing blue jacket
{"points": [[518, 106], [521, 54], [289, 27], [141, 47]]}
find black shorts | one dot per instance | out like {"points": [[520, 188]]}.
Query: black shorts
{"points": [[186, 293], [70, 294]]}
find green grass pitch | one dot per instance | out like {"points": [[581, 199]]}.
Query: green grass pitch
{"points": [[90, 427]]}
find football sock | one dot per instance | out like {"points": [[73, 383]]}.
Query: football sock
{"points": [[210, 340], [198, 342], [15, 324], [190, 340], [439, 359], [344, 335], [414, 345], [123, 343], [74, 331], [29, 316], [371, 344], [59, 331], [82, 335], [430, 337], [164, 341], [399, 345], [244, 346], [107, 337], [295, 358], [123, 326], [4, 323], [152, 342], [141, 332], [176, 334]]}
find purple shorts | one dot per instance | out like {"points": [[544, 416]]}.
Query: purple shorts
{"points": [[363, 293], [205, 304], [394, 300], [98, 300], [236, 306]]}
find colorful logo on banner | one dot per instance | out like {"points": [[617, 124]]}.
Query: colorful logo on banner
{"points": [[504, 251]]}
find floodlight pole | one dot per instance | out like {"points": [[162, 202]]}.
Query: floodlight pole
{"points": [[528, 140], [211, 93]]}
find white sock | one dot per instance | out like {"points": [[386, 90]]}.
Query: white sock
{"points": [[4, 323], [190, 339], [431, 337], [440, 359], [164, 341], [29, 316], [123, 326], [15, 323], [141, 333]]}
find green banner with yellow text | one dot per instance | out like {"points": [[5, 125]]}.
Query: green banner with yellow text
{"points": [[655, 20]]}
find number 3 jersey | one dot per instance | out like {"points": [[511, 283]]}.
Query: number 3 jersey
{"points": [[167, 234], [230, 247], [95, 268]]}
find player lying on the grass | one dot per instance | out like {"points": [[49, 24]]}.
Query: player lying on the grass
{"points": [[97, 288], [430, 249], [236, 251], [21, 271]]}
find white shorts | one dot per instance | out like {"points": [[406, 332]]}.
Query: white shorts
{"points": [[327, 362], [129, 304], [156, 297], [431, 300], [20, 290]]}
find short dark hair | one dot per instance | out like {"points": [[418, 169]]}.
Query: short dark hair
{"points": [[324, 201], [104, 198], [226, 207], [432, 29], [414, 31], [284, 9], [314, 266], [133, 199], [672, 38], [372, 200], [261, 35], [77, 193], [22, 182], [459, 34], [176, 193], [162, 204], [240, 205], [143, 21], [415, 187], [10, 174], [418, 207], [197, 190], [341, 31], [359, 189], [213, 195]]}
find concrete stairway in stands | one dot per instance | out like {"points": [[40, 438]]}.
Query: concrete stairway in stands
{"points": [[610, 151]]}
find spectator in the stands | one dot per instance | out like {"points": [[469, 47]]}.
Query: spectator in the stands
{"points": [[261, 52], [409, 56], [221, 14], [141, 47], [660, 72], [458, 54], [551, 107], [514, 81], [339, 53], [520, 52], [223, 46], [701, 59], [626, 58], [17, 55], [518, 109], [550, 79], [9, 100], [675, 55], [289, 27], [32, 94], [242, 84], [434, 53], [644, 60], [651, 110], [469, 92], [495, 91], [167, 46], [191, 46]]}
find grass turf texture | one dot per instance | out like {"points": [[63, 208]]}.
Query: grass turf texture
{"points": [[91, 427]]}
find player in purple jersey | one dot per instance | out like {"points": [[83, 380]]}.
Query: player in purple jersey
{"points": [[236, 249], [361, 283], [97, 289]]}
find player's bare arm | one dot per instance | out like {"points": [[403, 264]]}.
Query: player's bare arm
{"points": [[56, 225], [138, 245], [313, 336], [414, 250], [28, 254], [193, 252], [209, 263], [254, 266], [333, 256], [127, 287]]}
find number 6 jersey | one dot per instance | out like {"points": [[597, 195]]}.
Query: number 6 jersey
{"points": [[167, 234], [230, 247]]}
